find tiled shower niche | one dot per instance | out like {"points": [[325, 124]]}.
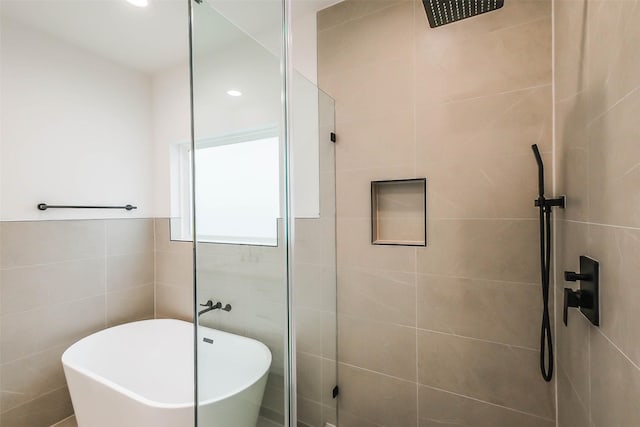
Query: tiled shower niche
{"points": [[399, 212]]}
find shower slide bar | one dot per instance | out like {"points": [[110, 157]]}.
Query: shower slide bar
{"points": [[44, 207]]}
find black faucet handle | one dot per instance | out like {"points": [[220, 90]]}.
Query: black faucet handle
{"points": [[571, 299], [572, 276], [210, 304]]}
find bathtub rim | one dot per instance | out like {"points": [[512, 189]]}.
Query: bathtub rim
{"points": [[162, 405]]}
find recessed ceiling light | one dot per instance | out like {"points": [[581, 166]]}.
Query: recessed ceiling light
{"points": [[139, 3], [234, 92]]}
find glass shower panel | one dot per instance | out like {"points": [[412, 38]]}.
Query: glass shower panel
{"points": [[240, 216], [314, 252]]}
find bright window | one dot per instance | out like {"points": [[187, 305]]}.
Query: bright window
{"points": [[237, 186]]}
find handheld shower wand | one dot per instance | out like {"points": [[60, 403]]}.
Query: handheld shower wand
{"points": [[545, 205]]}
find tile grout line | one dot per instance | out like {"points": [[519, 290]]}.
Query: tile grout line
{"points": [[59, 423], [39, 308], [575, 391], [522, 24], [52, 263], [36, 398], [505, 282], [487, 403], [449, 102], [419, 329], [495, 94], [617, 348], [366, 15], [597, 224], [612, 107], [444, 391]]}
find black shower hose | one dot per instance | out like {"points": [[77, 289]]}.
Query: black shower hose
{"points": [[546, 342]]}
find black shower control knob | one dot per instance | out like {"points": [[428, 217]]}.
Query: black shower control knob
{"points": [[571, 299], [572, 276]]}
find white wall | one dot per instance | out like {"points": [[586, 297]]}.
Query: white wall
{"points": [[304, 46], [244, 66], [90, 131], [76, 129], [171, 124]]}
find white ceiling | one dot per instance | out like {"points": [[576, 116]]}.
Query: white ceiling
{"points": [[152, 38]]}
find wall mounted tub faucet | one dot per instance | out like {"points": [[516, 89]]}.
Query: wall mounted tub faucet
{"points": [[211, 306]]}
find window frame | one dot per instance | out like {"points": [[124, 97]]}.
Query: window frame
{"points": [[182, 188]]}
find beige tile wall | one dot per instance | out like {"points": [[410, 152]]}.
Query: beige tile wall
{"points": [[61, 281], [446, 334], [597, 105]]}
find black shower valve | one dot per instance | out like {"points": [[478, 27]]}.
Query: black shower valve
{"points": [[587, 297]]}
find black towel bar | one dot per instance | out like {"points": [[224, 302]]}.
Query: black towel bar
{"points": [[44, 207]]}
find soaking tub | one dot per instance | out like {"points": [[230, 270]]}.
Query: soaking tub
{"points": [[141, 374]]}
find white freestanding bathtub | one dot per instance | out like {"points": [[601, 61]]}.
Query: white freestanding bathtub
{"points": [[141, 375]]}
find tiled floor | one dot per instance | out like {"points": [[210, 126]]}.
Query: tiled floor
{"points": [[71, 422]]}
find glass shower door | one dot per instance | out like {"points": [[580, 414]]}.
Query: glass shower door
{"points": [[264, 220], [239, 176]]}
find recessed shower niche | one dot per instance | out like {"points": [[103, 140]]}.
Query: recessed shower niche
{"points": [[399, 212]]}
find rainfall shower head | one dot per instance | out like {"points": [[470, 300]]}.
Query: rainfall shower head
{"points": [[441, 12]]}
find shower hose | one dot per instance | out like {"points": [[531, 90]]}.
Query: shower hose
{"points": [[546, 342]]}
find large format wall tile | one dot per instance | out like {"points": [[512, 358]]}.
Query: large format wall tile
{"points": [[618, 250], [504, 250], [391, 347], [43, 411], [25, 379], [571, 347], [365, 143], [440, 408], [26, 288], [503, 312], [130, 236], [496, 373], [570, 48], [612, 61], [500, 124], [378, 295], [614, 169], [597, 105], [472, 60], [373, 399], [460, 105], [615, 385], [43, 242], [572, 412], [59, 282]]}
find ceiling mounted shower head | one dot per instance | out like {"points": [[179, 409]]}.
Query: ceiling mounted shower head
{"points": [[441, 12]]}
